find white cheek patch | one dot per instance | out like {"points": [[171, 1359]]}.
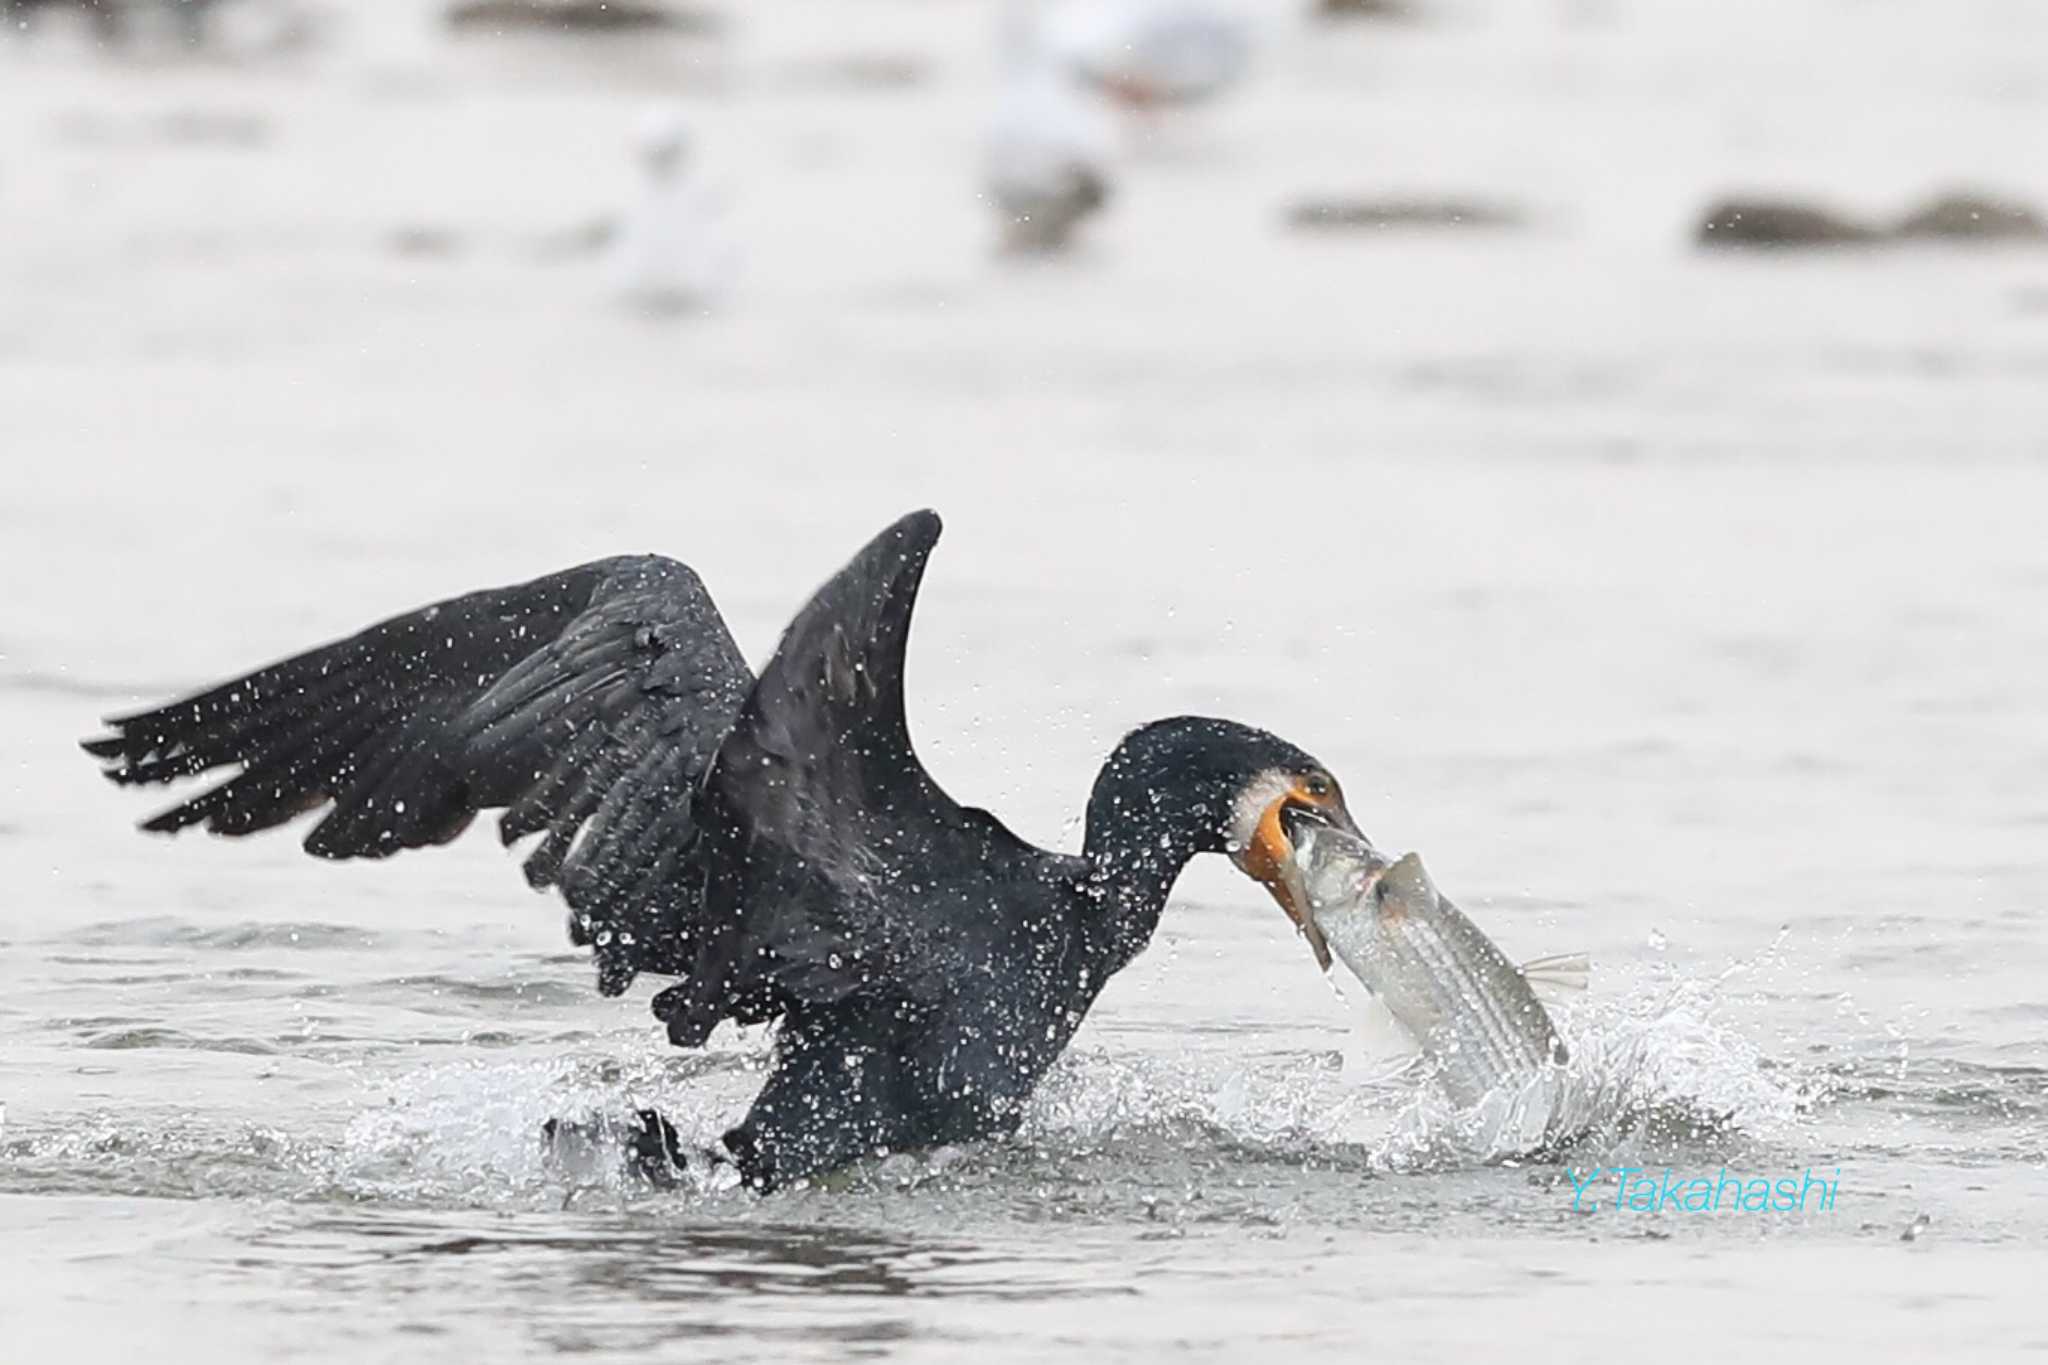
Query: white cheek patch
{"points": [[1251, 805]]}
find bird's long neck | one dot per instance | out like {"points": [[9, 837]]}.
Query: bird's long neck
{"points": [[1140, 835]]}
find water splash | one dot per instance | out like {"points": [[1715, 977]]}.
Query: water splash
{"points": [[1654, 1072], [472, 1131], [1655, 1069]]}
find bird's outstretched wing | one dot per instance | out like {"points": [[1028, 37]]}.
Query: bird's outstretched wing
{"points": [[586, 704], [817, 814]]}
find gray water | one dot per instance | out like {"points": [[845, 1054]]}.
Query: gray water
{"points": [[1688, 611]]}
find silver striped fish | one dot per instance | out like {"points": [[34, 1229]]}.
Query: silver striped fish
{"points": [[1470, 1010]]}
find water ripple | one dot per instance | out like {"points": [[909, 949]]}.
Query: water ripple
{"points": [[128, 1039], [166, 931]]}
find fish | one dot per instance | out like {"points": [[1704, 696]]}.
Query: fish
{"points": [[1470, 1010]]}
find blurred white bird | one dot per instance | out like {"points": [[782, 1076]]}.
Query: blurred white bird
{"points": [[1047, 157], [1148, 53], [668, 254]]}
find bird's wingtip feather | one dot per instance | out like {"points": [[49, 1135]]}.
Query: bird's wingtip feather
{"points": [[102, 746], [924, 524]]}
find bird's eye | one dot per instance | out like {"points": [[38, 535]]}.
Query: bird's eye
{"points": [[1318, 785]]}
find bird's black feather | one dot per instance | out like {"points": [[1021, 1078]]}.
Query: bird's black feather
{"points": [[586, 704], [822, 828]]}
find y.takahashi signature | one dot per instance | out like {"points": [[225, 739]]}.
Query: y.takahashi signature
{"points": [[1639, 1191]]}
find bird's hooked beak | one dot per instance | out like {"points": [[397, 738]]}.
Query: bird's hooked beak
{"points": [[1268, 855]]}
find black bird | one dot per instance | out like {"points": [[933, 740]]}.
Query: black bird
{"points": [[773, 843]]}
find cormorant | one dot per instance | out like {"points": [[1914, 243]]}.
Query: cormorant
{"points": [[773, 843]]}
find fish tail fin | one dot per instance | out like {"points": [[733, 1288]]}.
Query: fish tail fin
{"points": [[1562, 974]]}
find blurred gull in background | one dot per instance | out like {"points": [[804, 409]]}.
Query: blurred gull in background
{"points": [[1047, 155], [1146, 54], [668, 254], [1063, 64]]}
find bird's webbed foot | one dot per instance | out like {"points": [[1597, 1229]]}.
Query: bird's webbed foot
{"points": [[644, 1146]]}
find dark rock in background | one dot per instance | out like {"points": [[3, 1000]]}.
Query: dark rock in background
{"points": [[1365, 9], [1779, 224], [1973, 217], [1340, 213], [577, 16]]}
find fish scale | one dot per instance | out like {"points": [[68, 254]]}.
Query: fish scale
{"points": [[1459, 943], [1465, 1011]]}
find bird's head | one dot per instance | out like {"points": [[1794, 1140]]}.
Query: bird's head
{"points": [[662, 139], [1268, 815], [1226, 788]]}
